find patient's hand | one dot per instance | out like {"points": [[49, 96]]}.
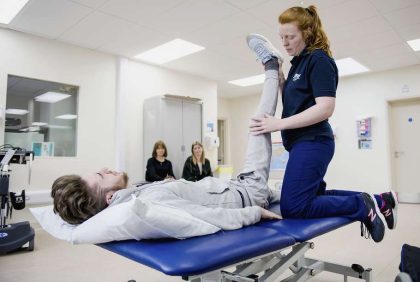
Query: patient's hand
{"points": [[266, 214]]}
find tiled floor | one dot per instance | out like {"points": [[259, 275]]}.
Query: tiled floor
{"points": [[54, 260]]}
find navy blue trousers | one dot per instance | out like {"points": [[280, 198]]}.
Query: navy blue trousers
{"points": [[304, 193]]}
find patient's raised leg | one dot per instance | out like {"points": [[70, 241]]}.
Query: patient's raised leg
{"points": [[254, 175]]}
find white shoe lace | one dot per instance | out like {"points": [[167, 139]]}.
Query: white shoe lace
{"points": [[261, 51]]}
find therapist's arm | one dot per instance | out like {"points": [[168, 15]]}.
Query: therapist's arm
{"points": [[322, 110]]}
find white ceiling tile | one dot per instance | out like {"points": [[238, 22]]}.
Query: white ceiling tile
{"points": [[347, 13], [192, 15], [94, 30], [49, 18], [396, 62], [360, 29], [388, 52], [139, 11], [404, 17], [245, 4], [90, 3], [385, 6], [236, 26], [410, 32], [364, 44], [384, 58], [208, 64], [321, 4], [132, 40], [269, 12]]}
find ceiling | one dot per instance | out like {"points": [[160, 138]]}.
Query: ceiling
{"points": [[374, 32]]}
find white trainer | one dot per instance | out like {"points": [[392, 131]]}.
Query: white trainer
{"points": [[263, 48]]}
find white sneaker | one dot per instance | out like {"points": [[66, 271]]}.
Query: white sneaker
{"points": [[263, 48]]}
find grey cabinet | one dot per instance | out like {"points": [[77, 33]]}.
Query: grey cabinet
{"points": [[177, 121]]}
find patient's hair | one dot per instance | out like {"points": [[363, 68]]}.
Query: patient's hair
{"points": [[74, 200]]}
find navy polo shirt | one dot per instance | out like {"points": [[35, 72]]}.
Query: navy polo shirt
{"points": [[313, 74]]}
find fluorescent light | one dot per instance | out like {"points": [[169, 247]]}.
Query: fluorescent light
{"points": [[348, 66], [59, 126], [67, 116], [30, 129], [248, 81], [51, 97], [169, 51], [20, 112], [414, 44], [37, 123], [9, 9]]}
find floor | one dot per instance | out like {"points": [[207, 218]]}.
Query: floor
{"points": [[54, 260]]}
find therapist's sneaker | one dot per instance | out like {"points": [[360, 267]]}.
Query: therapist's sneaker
{"points": [[263, 48], [374, 222], [390, 208]]}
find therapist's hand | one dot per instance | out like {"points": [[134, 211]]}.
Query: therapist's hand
{"points": [[264, 125], [266, 214]]}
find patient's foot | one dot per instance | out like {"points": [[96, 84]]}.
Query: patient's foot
{"points": [[374, 222], [389, 208], [263, 48]]}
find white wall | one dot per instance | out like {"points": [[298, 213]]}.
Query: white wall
{"points": [[357, 96], [224, 113], [139, 81], [351, 168], [93, 72]]}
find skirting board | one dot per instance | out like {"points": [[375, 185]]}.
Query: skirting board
{"points": [[409, 198]]}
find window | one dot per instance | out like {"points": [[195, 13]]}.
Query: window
{"points": [[41, 116]]}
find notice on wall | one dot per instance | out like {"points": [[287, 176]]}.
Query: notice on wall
{"points": [[364, 133]]}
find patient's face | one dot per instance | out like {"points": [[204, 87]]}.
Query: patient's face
{"points": [[107, 180]]}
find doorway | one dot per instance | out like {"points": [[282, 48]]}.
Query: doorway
{"points": [[404, 119]]}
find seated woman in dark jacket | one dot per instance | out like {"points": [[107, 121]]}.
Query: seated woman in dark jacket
{"points": [[196, 166], [158, 167]]}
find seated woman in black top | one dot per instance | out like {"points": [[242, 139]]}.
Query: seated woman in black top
{"points": [[158, 167], [196, 166]]}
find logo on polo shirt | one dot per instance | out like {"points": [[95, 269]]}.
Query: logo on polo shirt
{"points": [[296, 76]]}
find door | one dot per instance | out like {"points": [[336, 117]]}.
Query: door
{"points": [[172, 132], [405, 149]]}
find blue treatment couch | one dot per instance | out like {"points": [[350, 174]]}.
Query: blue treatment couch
{"points": [[268, 248]]}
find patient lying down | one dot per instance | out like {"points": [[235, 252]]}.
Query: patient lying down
{"points": [[225, 204]]}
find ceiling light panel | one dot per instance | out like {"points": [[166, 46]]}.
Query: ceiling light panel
{"points": [[51, 97], [248, 81], [169, 51], [9, 9]]}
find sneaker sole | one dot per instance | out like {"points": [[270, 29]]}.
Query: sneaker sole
{"points": [[378, 213], [251, 35], [395, 209]]}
